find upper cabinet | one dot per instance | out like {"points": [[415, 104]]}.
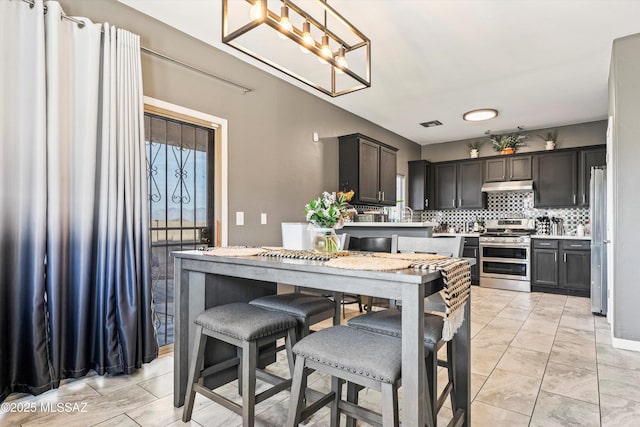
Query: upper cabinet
{"points": [[507, 168], [588, 159], [562, 178], [368, 167], [420, 185], [457, 185], [556, 179]]}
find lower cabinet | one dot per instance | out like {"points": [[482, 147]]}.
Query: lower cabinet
{"points": [[561, 266], [472, 250]]}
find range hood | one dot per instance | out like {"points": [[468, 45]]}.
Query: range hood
{"points": [[494, 187]]}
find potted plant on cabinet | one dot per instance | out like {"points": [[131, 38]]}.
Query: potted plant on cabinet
{"points": [[506, 143], [550, 139], [473, 148]]}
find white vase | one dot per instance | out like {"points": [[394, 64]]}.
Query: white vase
{"points": [[473, 153], [550, 145]]}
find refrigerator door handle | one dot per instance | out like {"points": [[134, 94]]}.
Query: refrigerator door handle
{"points": [[606, 242]]}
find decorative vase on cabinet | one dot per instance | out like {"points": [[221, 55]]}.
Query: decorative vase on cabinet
{"points": [[507, 151], [326, 240]]}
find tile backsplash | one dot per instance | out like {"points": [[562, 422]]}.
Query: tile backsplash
{"points": [[507, 205]]}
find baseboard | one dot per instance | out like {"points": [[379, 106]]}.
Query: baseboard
{"points": [[625, 344]]}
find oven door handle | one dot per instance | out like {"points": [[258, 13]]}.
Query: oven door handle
{"points": [[503, 245], [505, 260]]}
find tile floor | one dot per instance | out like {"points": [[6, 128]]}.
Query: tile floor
{"points": [[537, 360]]}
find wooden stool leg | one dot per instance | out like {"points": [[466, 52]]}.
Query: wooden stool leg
{"points": [[289, 343], [451, 372], [249, 364], [389, 405], [194, 369], [336, 387], [297, 392], [431, 410], [352, 396]]}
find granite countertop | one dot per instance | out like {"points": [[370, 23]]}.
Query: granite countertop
{"points": [[391, 224], [545, 236]]}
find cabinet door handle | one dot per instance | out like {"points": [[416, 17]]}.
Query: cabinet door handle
{"points": [[426, 203], [565, 257], [574, 199], [454, 202], [382, 198], [584, 199], [459, 201], [475, 252], [555, 257]]}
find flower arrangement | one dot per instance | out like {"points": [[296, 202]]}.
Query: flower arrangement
{"points": [[328, 210], [506, 143]]}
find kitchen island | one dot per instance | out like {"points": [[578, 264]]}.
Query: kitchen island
{"points": [[203, 281], [388, 229]]}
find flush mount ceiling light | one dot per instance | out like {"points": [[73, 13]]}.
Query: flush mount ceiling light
{"points": [[480, 115], [341, 60]]}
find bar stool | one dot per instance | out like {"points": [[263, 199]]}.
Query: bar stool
{"points": [[357, 356], [389, 322], [247, 327], [306, 309]]}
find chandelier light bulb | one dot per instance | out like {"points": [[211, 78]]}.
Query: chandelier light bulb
{"points": [[325, 50], [307, 39], [285, 24], [256, 10], [340, 59]]}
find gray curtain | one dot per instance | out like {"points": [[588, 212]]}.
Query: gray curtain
{"points": [[85, 255]]}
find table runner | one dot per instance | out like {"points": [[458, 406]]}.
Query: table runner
{"points": [[456, 276]]}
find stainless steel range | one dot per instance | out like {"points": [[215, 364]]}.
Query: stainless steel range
{"points": [[505, 254]]}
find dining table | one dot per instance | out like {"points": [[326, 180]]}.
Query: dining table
{"points": [[202, 281]]}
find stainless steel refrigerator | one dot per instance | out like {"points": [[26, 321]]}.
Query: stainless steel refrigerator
{"points": [[598, 206]]}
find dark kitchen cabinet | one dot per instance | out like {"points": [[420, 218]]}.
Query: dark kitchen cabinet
{"points": [[458, 185], [470, 195], [588, 159], [368, 167], [556, 179], [561, 266], [472, 250], [420, 185], [445, 177], [545, 268], [575, 270], [508, 168]]}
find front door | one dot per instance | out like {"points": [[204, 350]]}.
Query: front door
{"points": [[180, 173]]}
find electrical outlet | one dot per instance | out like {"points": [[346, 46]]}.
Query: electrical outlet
{"points": [[263, 218], [239, 218]]}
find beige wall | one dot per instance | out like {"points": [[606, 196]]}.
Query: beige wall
{"points": [[274, 166], [583, 134]]}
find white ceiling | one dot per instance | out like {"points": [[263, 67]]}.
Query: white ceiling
{"points": [[540, 63]]}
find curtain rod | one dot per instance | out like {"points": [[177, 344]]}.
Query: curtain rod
{"points": [[196, 69], [81, 24]]}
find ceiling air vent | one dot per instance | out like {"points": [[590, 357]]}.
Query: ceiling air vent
{"points": [[431, 124]]}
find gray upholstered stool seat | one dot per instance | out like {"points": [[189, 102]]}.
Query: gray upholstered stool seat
{"points": [[301, 306], [244, 321], [362, 353], [389, 322], [248, 328], [348, 354]]}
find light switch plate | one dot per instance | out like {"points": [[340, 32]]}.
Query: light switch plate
{"points": [[239, 218], [263, 218]]}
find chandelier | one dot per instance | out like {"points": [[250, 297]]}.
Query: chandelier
{"points": [[316, 45]]}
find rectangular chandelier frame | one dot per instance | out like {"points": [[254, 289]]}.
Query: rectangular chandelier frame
{"points": [[272, 19]]}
